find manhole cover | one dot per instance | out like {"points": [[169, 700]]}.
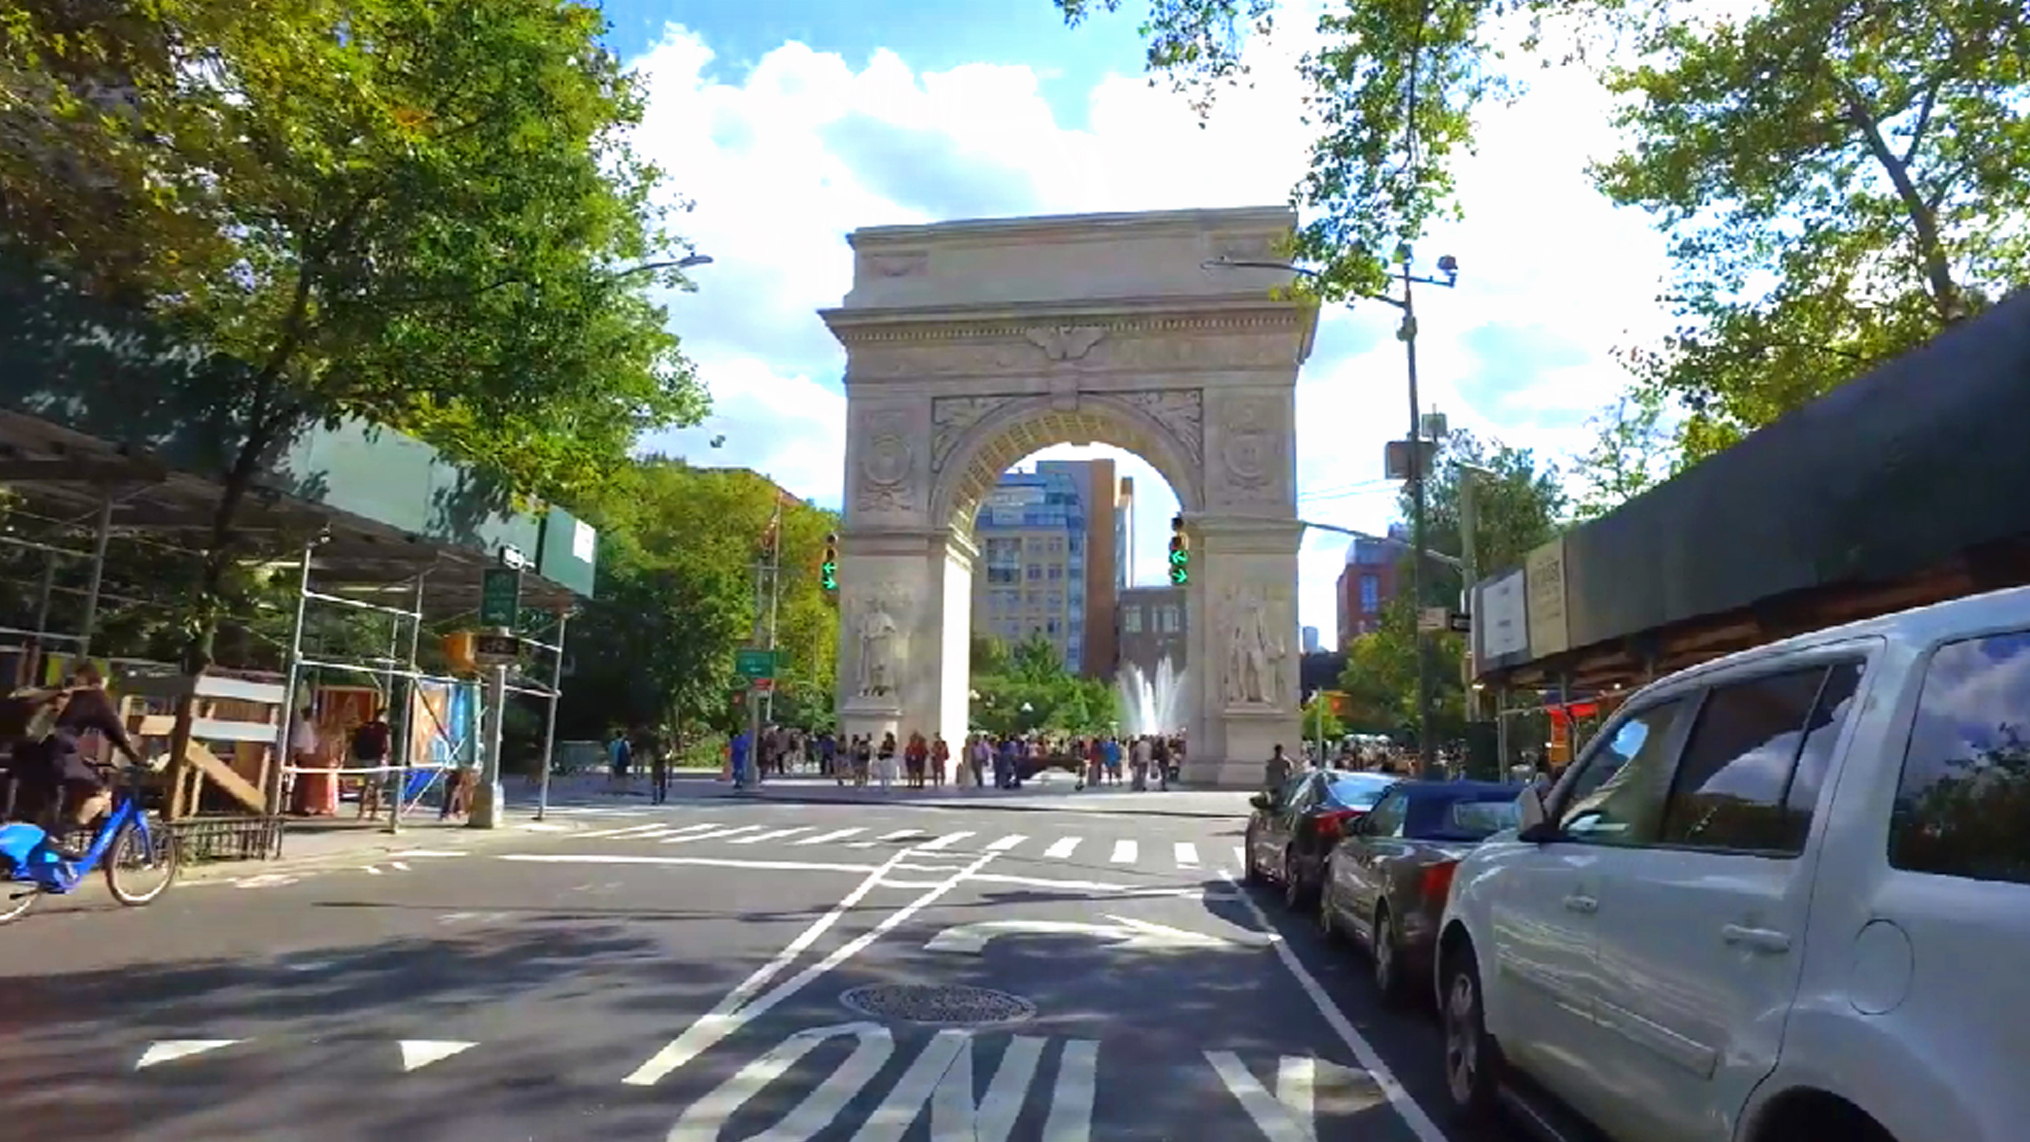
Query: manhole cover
{"points": [[940, 1005]]}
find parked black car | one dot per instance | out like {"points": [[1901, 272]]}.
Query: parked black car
{"points": [[1386, 883], [1294, 827]]}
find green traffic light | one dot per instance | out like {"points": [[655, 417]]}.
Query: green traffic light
{"points": [[828, 573], [1180, 568]]}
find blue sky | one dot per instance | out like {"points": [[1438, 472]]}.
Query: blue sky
{"points": [[789, 123]]}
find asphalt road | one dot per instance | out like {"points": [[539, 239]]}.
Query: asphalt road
{"points": [[721, 970]]}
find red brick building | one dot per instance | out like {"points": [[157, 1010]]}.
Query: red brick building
{"points": [[1368, 583]]}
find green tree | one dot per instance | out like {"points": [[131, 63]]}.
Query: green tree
{"points": [[422, 215], [1633, 450], [1026, 688], [1520, 505], [1321, 720], [1841, 180], [678, 596]]}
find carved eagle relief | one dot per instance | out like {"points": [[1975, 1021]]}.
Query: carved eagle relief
{"points": [[1066, 342]]}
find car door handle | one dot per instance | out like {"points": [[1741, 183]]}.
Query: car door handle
{"points": [[1581, 903], [1757, 939]]}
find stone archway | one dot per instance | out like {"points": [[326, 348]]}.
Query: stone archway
{"points": [[973, 344]]}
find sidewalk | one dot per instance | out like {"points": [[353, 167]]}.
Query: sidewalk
{"points": [[1048, 792], [321, 841]]}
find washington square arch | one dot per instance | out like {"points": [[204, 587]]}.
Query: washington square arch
{"points": [[970, 345]]}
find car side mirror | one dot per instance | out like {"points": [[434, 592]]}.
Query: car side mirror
{"points": [[1261, 801], [1534, 822]]}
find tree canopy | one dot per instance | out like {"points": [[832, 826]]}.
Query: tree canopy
{"points": [[678, 595], [1520, 504], [426, 216], [1840, 179], [1025, 688]]}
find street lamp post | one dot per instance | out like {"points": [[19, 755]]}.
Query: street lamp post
{"points": [[1448, 266]]}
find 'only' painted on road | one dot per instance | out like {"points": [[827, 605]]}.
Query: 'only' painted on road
{"points": [[941, 1079]]}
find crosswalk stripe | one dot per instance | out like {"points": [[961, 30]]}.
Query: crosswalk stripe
{"points": [[944, 842], [1187, 854], [1061, 850], [834, 835], [715, 836], [771, 835], [1240, 857], [1124, 852], [901, 834], [1006, 843], [626, 831]]}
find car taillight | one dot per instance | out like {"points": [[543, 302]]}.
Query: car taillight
{"points": [[1334, 824], [1438, 880]]}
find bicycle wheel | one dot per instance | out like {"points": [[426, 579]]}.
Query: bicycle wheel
{"points": [[12, 906], [130, 856]]}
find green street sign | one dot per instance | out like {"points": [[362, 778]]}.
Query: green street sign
{"points": [[753, 663], [500, 597]]}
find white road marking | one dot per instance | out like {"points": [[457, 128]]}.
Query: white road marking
{"points": [[638, 831], [420, 1053], [1094, 886], [944, 842], [1278, 1118], [1006, 843], [372, 869], [772, 835], [265, 880], [702, 1120], [1187, 854], [1405, 1106], [399, 865], [736, 1010], [432, 853], [701, 862], [1062, 849], [719, 834], [900, 835], [1240, 857], [167, 1050], [1124, 852], [834, 835], [897, 1113], [993, 1120], [1071, 1104]]}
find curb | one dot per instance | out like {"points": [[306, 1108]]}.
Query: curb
{"points": [[373, 852], [766, 797]]}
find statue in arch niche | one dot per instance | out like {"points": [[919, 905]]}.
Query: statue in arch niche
{"points": [[1254, 653], [878, 632]]}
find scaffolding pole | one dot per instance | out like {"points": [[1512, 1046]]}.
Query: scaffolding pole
{"points": [[295, 665], [100, 537], [550, 723]]}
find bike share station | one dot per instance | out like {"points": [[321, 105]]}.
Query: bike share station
{"points": [[417, 590]]}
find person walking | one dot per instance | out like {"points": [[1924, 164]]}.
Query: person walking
{"points": [[884, 762], [940, 759], [658, 772], [372, 745], [1277, 771]]}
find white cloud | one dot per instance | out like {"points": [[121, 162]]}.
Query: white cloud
{"points": [[805, 149]]}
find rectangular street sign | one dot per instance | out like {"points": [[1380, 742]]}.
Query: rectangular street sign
{"points": [[753, 662], [495, 649], [500, 597]]}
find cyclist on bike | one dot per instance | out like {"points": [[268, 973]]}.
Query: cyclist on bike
{"points": [[57, 765]]}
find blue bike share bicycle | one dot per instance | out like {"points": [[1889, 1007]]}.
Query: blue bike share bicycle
{"points": [[130, 845]]}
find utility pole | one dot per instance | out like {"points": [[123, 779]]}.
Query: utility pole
{"points": [[767, 574], [1427, 742]]}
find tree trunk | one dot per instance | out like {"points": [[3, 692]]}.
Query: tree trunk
{"points": [[202, 622]]}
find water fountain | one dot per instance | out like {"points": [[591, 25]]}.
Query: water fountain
{"points": [[1152, 705]]}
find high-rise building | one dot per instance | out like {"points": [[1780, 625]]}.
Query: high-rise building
{"points": [[1369, 582], [1048, 560], [1124, 535], [1309, 638]]}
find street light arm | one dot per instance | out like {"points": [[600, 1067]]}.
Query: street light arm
{"points": [[1437, 556], [1302, 271]]}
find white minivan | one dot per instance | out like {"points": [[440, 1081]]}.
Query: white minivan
{"points": [[1782, 895]]}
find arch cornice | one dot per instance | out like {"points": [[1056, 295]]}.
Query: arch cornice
{"points": [[978, 438]]}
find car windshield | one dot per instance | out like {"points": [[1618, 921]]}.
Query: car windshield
{"points": [[1475, 820], [1359, 790]]}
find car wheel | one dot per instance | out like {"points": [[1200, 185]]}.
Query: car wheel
{"points": [[1295, 896], [1388, 970], [1472, 1059]]}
